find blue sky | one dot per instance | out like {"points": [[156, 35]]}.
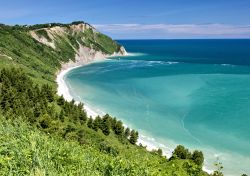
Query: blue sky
{"points": [[128, 19]]}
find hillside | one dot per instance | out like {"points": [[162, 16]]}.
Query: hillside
{"points": [[42, 134], [41, 49]]}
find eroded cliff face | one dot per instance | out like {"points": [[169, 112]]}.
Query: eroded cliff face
{"points": [[86, 43], [56, 32]]}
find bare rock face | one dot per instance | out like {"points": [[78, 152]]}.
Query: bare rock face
{"points": [[51, 36], [123, 51], [43, 40], [59, 31], [80, 27]]}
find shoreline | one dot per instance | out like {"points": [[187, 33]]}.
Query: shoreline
{"points": [[63, 89], [148, 142]]}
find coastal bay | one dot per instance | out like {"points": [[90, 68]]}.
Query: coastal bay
{"points": [[188, 106]]}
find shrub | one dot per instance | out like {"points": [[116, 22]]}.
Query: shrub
{"points": [[198, 157], [181, 152]]}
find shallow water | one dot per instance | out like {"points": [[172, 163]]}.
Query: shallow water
{"points": [[190, 92]]}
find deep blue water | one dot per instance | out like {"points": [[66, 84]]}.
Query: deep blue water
{"points": [[190, 92], [193, 51]]}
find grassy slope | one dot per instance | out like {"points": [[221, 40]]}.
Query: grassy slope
{"points": [[40, 61], [25, 150], [37, 60]]}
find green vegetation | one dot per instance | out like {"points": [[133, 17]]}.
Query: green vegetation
{"points": [[42, 134], [25, 150], [43, 33], [50, 25], [41, 62], [44, 128], [100, 42], [133, 137], [182, 153], [40, 107]]}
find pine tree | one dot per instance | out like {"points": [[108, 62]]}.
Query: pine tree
{"points": [[133, 137], [198, 157], [181, 152], [61, 115], [97, 123], [83, 117], [106, 125], [127, 132], [119, 129], [113, 123], [60, 101], [90, 123], [48, 92], [159, 152]]}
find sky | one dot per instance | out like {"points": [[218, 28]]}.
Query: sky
{"points": [[138, 19]]}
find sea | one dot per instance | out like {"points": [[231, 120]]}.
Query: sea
{"points": [[194, 93]]}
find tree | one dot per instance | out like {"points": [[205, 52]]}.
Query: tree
{"points": [[95, 125], [181, 152], [159, 152], [133, 137], [48, 92], [60, 101], [198, 157], [218, 171], [61, 115], [106, 125], [82, 116], [119, 129], [90, 123], [127, 133], [113, 123], [81, 113]]}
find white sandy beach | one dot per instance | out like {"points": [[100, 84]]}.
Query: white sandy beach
{"points": [[63, 90]]}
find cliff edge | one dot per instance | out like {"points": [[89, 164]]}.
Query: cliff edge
{"points": [[84, 41]]}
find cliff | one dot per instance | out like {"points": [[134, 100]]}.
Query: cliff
{"points": [[86, 42], [43, 134], [47, 48]]}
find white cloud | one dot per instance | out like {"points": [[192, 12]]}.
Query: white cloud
{"points": [[178, 29]]}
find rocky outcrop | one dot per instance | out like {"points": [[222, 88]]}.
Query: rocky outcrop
{"points": [[80, 33], [44, 40]]}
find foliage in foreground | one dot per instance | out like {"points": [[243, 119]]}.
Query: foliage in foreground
{"points": [[25, 150], [59, 138], [42, 134]]}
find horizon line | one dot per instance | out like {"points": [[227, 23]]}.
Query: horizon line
{"points": [[184, 39]]}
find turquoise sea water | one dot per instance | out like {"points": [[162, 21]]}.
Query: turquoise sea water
{"points": [[190, 92]]}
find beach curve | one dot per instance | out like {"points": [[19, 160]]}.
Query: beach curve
{"points": [[63, 90]]}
